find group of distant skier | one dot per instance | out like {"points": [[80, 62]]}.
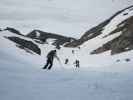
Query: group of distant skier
{"points": [[53, 54]]}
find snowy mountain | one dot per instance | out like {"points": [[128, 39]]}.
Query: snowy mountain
{"points": [[32, 40], [21, 40], [120, 24], [58, 40]]}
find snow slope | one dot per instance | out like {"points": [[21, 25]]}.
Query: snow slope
{"points": [[23, 79], [100, 77]]}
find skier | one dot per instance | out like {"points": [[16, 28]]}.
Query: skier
{"points": [[66, 61], [77, 64], [72, 51], [50, 58]]}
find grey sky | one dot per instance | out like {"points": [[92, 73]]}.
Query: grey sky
{"points": [[45, 14]]}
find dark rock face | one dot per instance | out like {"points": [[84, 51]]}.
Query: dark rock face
{"points": [[122, 43], [43, 36], [39, 37], [125, 40], [25, 44]]}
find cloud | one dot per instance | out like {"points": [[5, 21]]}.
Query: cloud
{"points": [[64, 13], [63, 10]]}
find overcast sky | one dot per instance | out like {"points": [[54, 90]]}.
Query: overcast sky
{"points": [[68, 17]]}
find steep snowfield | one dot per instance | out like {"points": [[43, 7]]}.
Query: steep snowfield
{"points": [[23, 79], [106, 35], [117, 20]]}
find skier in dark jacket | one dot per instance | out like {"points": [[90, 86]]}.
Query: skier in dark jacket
{"points": [[66, 61], [50, 58], [77, 64]]}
